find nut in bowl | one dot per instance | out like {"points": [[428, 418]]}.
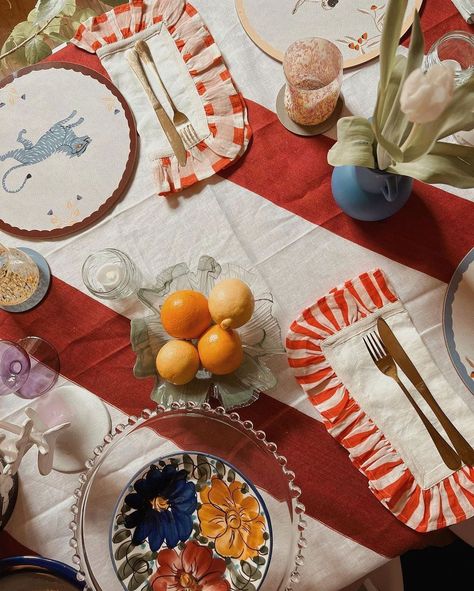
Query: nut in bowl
{"points": [[207, 336]]}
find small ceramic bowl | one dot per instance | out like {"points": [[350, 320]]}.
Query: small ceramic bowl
{"points": [[260, 337]]}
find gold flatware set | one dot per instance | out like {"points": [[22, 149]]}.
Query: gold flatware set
{"points": [[387, 353], [179, 131]]}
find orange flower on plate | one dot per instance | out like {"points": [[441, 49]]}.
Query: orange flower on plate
{"points": [[232, 519]]}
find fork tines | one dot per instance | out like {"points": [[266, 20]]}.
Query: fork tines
{"points": [[374, 346]]}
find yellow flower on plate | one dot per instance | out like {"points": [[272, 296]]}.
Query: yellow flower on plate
{"points": [[232, 519]]}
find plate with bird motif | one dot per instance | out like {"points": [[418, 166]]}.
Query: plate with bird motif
{"points": [[191, 521], [355, 26], [67, 149]]}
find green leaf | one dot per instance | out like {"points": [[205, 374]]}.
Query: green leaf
{"points": [[220, 469], [388, 47], [188, 464], [48, 9], [22, 31], [54, 26], [83, 15], [397, 125], [354, 145], [120, 535], [458, 115], [449, 164], [123, 549], [36, 50]]}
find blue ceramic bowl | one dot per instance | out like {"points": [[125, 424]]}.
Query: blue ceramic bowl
{"points": [[36, 564]]}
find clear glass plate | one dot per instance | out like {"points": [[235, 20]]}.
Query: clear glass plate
{"points": [[163, 433], [261, 337]]}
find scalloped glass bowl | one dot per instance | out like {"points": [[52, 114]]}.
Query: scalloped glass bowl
{"points": [[162, 432], [260, 337]]}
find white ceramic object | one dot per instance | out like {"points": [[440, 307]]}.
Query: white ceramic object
{"points": [[90, 422]]}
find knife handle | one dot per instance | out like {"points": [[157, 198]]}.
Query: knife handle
{"points": [[136, 65], [447, 453], [463, 448]]}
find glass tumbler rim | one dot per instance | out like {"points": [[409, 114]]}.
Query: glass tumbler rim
{"points": [[113, 290]]}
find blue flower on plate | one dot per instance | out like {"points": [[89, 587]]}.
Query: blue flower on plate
{"points": [[164, 502]]}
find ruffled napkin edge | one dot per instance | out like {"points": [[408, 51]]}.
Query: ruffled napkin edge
{"points": [[449, 501], [224, 106]]}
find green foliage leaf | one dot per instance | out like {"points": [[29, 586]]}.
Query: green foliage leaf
{"points": [[458, 115], [123, 549], [220, 469], [120, 535], [48, 9], [388, 47], [397, 126], [137, 580], [54, 26], [188, 464], [36, 50], [354, 144], [22, 31], [446, 163]]}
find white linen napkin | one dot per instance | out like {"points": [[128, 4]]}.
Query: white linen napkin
{"points": [[466, 9]]}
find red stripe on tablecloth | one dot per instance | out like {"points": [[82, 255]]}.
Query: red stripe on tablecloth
{"points": [[93, 343]]}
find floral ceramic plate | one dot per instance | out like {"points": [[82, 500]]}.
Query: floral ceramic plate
{"points": [[458, 320], [224, 518], [260, 337], [191, 521]]}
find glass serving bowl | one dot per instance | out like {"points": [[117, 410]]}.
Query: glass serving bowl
{"points": [[100, 554], [261, 337]]}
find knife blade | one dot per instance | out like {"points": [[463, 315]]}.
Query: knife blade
{"points": [[170, 130], [393, 346]]}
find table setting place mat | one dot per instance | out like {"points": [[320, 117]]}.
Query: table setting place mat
{"points": [[193, 72], [367, 412], [62, 125]]}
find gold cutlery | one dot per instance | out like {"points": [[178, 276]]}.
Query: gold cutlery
{"points": [[386, 364], [180, 120], [400, 356], [171, 133]]}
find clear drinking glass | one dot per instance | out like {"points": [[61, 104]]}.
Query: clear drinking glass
{"points": [[455, 49], [19, 276], [111, 274], [28, 368], [313, 72]]}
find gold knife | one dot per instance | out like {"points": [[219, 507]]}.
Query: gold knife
{"points": [[170, 130], [464, 449]]}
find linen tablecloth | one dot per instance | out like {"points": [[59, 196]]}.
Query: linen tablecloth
{"points": [[272, 211]]}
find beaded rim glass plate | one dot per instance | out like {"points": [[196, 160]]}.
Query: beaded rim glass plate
{"points": [[235, 449], [220, 514], [261, 337]]}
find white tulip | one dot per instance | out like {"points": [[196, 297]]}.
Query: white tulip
{"points": [[425, 96]]}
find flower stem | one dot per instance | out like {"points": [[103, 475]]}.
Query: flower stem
{"points": [[25, 41], [413, 131]]}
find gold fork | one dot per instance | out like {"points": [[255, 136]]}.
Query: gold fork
{"points": [[180, 120], [386, 364]]}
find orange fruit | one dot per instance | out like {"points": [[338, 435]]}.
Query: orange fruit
{"points": [[177, 362], [231, 303], [185, 315], [220, 350]]}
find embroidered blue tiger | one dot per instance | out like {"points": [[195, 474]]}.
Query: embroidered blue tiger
{"points": [[59, 138]]}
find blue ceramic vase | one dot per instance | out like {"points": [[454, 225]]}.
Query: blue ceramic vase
{"points": [[367, 194]]}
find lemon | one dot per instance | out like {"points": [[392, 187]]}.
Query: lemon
{"points": [[231, 303], [177, 362]]}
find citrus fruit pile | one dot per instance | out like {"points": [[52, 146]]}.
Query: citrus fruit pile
{"points": [[188, 316]]}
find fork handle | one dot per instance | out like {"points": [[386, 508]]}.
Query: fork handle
{"points": [[463, 448], [447, 453]]}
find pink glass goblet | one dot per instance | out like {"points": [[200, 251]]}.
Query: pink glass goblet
{"points": [[28, 368], [313, 72]]}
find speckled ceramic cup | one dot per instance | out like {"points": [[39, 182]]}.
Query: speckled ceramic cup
{"points": [[313, 72]]}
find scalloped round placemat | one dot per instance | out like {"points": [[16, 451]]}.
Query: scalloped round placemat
{"points": [[67, 149]]}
